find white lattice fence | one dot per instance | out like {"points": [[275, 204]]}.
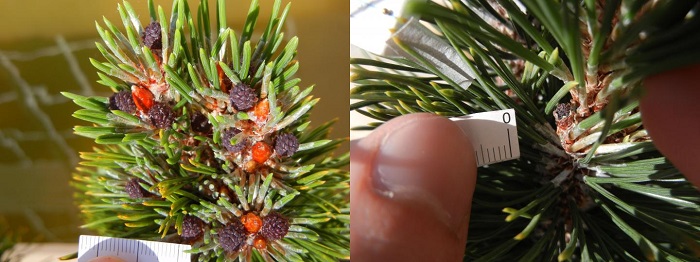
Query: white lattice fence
{"points": [[37, 143]]}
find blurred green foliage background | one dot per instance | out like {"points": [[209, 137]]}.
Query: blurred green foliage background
{"points": [[44, 49]]}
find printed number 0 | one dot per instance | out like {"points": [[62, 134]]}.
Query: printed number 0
{"points": [[506, 117]]}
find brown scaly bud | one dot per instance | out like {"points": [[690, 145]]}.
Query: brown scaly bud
{"points": [[286, 145], [275, 226], [200, 123], [226, 137], [152, 37], [232, 237], [161, 115], [192, 228], [562, 111], [122, 101], [134, 189], [243, 97]]}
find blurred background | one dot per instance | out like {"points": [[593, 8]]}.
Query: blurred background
{"points": [[44, 49]]}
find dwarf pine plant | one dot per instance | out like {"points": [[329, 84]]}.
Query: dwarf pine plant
{"points": [[589, 185], [205, 140]]}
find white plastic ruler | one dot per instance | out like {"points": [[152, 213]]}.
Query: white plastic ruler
{"points": [[494, 135], [90, 247]]}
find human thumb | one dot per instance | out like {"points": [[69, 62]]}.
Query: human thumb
{"points": [[411, 187]]}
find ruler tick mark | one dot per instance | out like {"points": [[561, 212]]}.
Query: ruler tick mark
{"points": [[489, 137], [482, 154], [476, 155], [488, 154], [509, 143]]}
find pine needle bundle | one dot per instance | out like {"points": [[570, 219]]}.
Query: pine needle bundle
{"points": [[206, 140], [590, 184]]}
